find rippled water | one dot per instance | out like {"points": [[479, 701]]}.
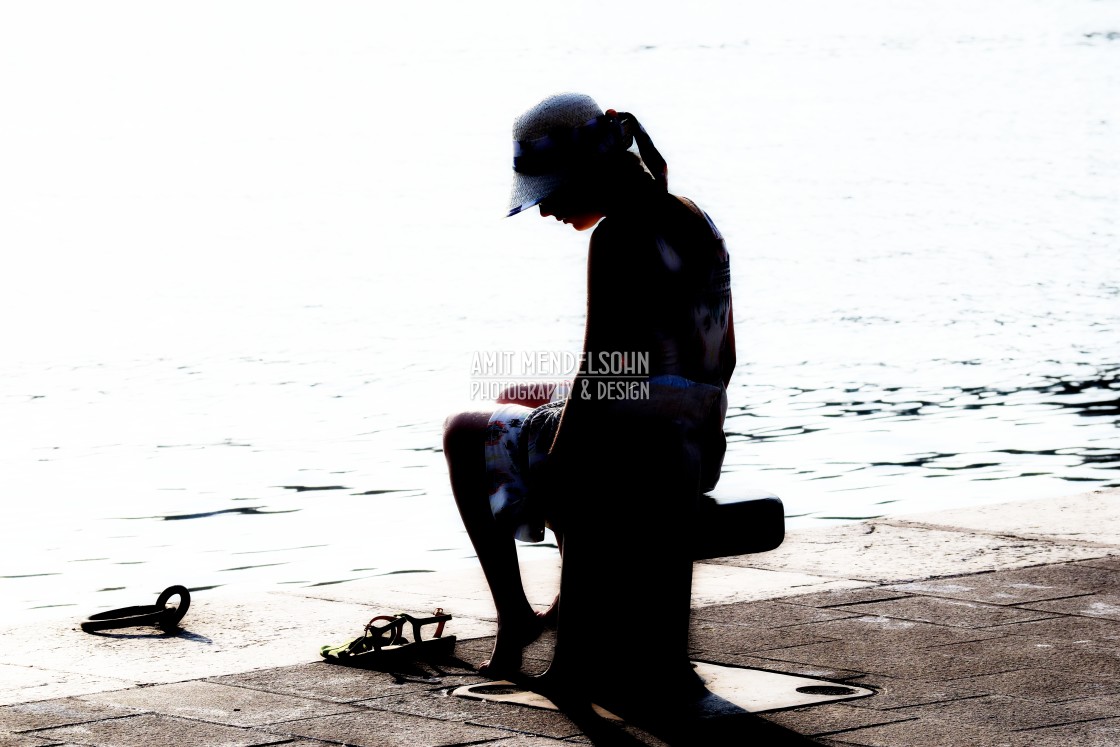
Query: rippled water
{"points": [[250, 269]]}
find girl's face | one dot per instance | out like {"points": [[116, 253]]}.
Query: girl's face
{"points": [[571, 205]]}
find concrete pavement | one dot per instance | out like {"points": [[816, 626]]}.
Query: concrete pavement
{"points": [[997, 625]]}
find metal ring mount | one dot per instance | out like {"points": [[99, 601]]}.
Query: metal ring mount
{"points": [[159, 613]]}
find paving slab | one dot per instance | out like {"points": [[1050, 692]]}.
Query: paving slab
{"points": [[153, 729], [994, 589], [25, 683], [24, 740], [901, 692], [996, 712], [867, 656], [1066, 627], [720, 583], [60, 712], [931, 733], [1097, 733], [893, 632], [1080, 577], [218, 703], [1106, 606], [1110, 562], [524, 741], [1022, 586], [770, 614], [1086, 657], [1092, 518], [833, 717], [816, 670], [1044, 685], [955, 612], [705, 635], [441, 704], [373, 728], [892, 551], [1089, 709], [837, 600], [322, 681]]}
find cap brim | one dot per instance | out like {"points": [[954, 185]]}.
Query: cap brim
{"points": [[529, 190]]}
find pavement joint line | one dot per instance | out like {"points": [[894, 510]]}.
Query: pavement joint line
{"points": [[80, 723], [1027, 729], [1025, 536], [901, 595], [870, 707], [824, 734], [241, 686]]}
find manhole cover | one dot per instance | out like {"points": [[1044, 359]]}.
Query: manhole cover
{"points": [[753, 690]]}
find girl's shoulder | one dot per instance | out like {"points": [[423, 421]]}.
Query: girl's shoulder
{"points": [[667, 219], [698, 219]]}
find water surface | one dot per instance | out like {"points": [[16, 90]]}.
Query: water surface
{"points": [[253, 249]]}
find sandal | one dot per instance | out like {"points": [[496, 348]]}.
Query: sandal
{"points": [[385, 644]]}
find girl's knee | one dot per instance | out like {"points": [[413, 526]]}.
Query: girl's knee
{"points": [[463, 427]]}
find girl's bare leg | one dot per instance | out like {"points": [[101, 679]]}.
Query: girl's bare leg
{"points": [[551, 615], [518, 623]]}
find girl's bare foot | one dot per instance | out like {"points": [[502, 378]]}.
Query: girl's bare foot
{"points": [[511, 640]]}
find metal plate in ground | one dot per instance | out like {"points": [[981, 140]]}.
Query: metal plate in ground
{"points": [[754, 690]]}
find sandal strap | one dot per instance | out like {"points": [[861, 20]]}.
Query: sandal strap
{"points": [[439, 619]]}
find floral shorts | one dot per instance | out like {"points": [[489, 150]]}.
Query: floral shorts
{"points": [[517, 440]]}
